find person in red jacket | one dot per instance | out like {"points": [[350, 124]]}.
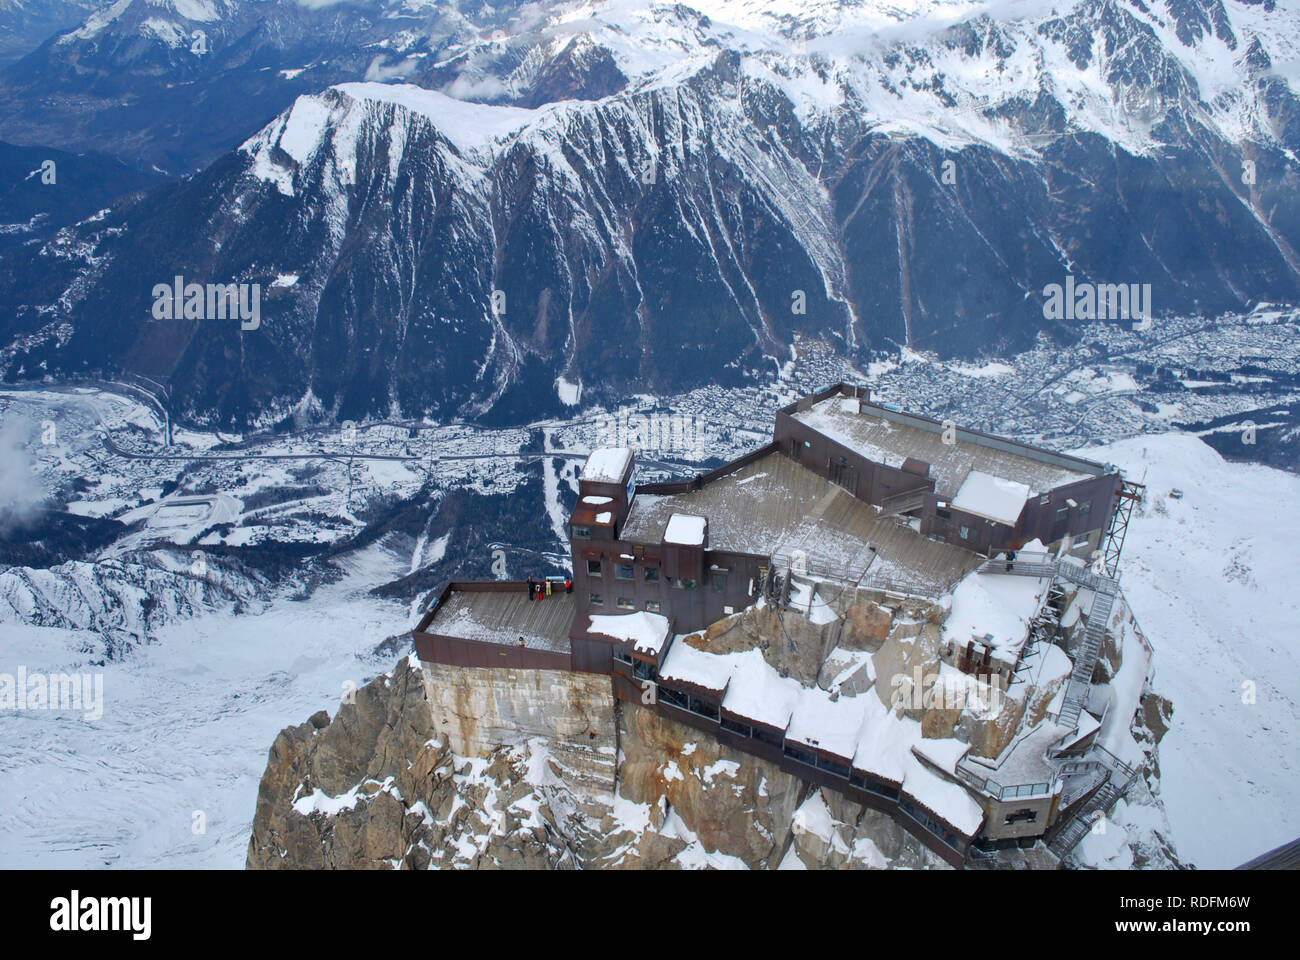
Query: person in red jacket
{"points": [[539, 591], [568, 585]]}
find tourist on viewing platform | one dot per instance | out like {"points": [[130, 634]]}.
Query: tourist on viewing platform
{"points": [[548, 586], [530, 588], [539, 591], [568, 585], [1011, 556]]}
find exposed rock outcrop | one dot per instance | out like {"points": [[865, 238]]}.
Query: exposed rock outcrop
{"points": [[380, 786]]}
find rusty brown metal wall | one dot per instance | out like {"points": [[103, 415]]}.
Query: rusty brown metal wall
{"points": [[459, 652]]}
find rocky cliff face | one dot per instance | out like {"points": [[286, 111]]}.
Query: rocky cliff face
{"points": [[380, 786], [440, 766]]}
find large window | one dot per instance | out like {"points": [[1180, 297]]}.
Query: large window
{"points": [[965, 532], [674, 698], [735, 726], [597, 600], [593, 568], [581, 533], [652, 605], [704, 708], [624, 571], [719, 582], [625, 603], [1085, 506], [1062, 514], [651, 574]]}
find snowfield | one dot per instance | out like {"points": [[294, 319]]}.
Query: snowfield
{"points": [[185, 731], [1212, 579]]}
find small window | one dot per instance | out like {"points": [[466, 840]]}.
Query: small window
{"points": [[652, 605], [1085, 506], [687, 583], [597, 600], [626, 604], [651, 574], [582, 533], [719, 582], [593, 568], [624, 571], [965, 533], [1062, 514]]}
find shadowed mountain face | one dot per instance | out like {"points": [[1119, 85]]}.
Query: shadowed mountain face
{"points": [[655, 221]]}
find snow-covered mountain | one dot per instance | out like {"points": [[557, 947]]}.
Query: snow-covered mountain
{"points": [[173, 83], [661, 197], [26, 24]]}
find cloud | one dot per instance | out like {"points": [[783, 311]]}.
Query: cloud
{"points": [[382, 72], [21, 494]]}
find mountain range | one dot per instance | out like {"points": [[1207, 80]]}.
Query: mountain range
{"points": [[452, 209]]}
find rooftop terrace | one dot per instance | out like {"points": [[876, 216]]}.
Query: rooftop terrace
{"points": [[890, 438], [501, 617], [775, 504]]}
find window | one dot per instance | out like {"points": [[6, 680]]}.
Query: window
{"points": [[1026, 815], [625, 603], [803, 756], [945, 514], [965, 533], [624, 571], [674, 698], [651, 574], [1085, 506], [735, 726], [593, 568], [622, 656], [597, 600], [719, 581], [644, 671], [652, 606], [688, 583], [1062, 514], [703, 707], [581, 533]]}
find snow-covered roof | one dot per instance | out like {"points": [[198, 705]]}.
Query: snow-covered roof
{"points": [[606, 465], [859, 728], [685, 529], [696, 667], [645, 631], [992, 497], [997, 607]]}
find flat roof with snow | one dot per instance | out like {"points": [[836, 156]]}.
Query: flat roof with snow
{"points": [[607, 465], [890, 437], [685, 530], [992, 498], [645, 631]]}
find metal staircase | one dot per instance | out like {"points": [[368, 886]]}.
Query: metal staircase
{"points": [[1105, 590], [1076, 693], [1119, 776]]}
